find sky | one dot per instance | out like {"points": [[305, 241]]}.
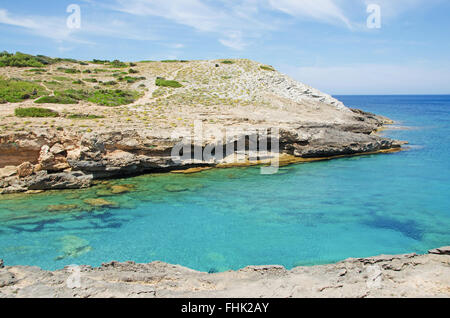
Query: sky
{"points": [[327, 44]]}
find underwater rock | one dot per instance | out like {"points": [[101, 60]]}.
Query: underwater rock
{"points": [[104, 193], [1, 263], [101, 203], [62, 207], [73, 246], [119, 189], [192, 170], [175, 188], [34, 191]]}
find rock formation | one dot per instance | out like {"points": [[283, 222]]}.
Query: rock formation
{"points": [[407, 275]]}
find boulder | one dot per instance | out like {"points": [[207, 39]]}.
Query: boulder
{"points": [[25, 169], [50, 161], [57, 149], [63, 180]]}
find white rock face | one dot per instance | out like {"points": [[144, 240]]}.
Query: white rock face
{"points": [[283, 85]]}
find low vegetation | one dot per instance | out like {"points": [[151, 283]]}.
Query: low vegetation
{"points": [[227, 62], [84, 116], [165, 83], [267, 68], [118, 64], [100, 97], [35, 112], [113, 97], [24, 60], [19, 59], [15, 90], [174, 61], [57, 99]]}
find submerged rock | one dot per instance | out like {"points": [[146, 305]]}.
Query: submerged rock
{"points": [[62, 207], [119, 189], [175, 188], [101, 203], [73, 246]]}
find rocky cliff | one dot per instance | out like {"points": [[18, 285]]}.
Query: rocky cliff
{"points": [[88, 140]]}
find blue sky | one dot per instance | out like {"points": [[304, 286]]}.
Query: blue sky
{"points": [[324, 43]]}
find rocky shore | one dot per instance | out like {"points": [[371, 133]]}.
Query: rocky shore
{"points": [[408, 275], [240, 97]]}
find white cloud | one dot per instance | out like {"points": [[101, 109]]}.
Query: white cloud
{"points": [[50, 27], [192, 13], [234, 40], [321, 10], [56, 28]]}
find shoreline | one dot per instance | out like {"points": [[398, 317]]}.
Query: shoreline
{"points": [[404, 275]]}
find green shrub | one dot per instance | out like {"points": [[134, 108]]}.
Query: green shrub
{"points": [[71, 71], [35, 112], [267, 68], [166, 83], [37, 70], [110, 83], [101, 97], [90, 80], [61, 78], [15, 91], [131, 79], [118, 64], [95, 61], [78, 82], [84, 116], [113, 97], [227, 62], [132, 71], [24, 60], [57, 99], [174, 61]]}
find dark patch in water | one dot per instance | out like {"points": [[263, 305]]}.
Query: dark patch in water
{"points": [[408, 228]]}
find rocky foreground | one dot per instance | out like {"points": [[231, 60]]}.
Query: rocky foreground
{"points": [[408, 275], [89, 141]]}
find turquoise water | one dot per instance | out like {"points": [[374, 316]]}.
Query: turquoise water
{"points": [[224, 219]]}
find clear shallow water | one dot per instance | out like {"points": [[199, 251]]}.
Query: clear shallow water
{"points": [[307, 214]]}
